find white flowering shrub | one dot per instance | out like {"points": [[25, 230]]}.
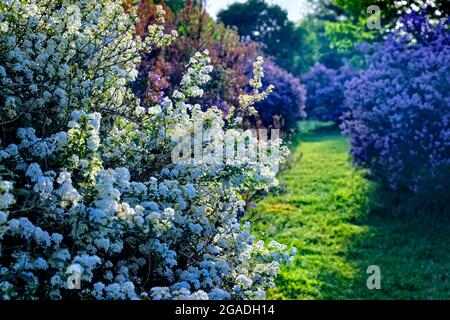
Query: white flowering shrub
{"points": [[88, 185]]}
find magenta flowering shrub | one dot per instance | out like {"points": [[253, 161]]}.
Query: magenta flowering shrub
{"points": [[399, 117], [285, 106], [325, 92]]}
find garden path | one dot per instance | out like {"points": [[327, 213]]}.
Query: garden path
{"points": [[324, 214]]}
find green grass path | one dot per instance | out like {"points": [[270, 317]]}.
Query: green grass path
{"points": [[324, 214]]}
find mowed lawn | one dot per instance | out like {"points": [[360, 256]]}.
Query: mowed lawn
{"points": [[324, 213]]}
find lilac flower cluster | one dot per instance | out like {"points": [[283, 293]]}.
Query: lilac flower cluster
{"points": [[325, 91], [91, 197], [399, 111], [285, 106]]}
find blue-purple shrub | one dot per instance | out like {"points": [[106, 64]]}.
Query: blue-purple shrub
{"points": [[325, 92], [399, 118], [285, 106]]}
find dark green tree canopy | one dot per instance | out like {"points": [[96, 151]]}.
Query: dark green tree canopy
{"points": [[269, 24]]}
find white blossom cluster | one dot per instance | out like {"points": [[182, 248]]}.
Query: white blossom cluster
{"points": [[407, 6], [87, 184], [433, 12]]}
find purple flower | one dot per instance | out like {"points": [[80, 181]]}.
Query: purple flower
{"points": [[325, 92], [286, 104], [398, 117]]}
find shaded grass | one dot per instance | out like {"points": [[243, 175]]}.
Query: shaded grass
{"points": [[324, 213]]}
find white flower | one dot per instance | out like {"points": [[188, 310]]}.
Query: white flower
{"points": [[61, 139], [98, 291], [243, 281], [154, 110], [191, 190], [44, 186], [73, 124], [63, 177], [117, 195], [160, 293], [57, 238]]}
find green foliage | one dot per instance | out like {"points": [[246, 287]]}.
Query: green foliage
{"points": [[309, 52], [269, 24], [324, 213], [344, 35], [176, 6], [355, 8], [352, 29]]}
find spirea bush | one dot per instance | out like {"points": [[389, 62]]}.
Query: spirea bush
{"points": [[399, 118], [87, 185], [325, 92], [286, 105]]}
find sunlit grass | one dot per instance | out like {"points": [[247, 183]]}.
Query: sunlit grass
{"points": [[324, 213]]}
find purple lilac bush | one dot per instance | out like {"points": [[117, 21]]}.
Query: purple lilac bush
{"points": [[286, 103], [325, 92], [399, 112]]}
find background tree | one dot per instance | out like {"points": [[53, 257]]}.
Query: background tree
{"points": [[269, 24]]}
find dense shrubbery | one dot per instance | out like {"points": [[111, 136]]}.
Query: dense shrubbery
{"points": [[286, 105], [87, 184], [160, 70], [325, 92], [399, 118]]}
